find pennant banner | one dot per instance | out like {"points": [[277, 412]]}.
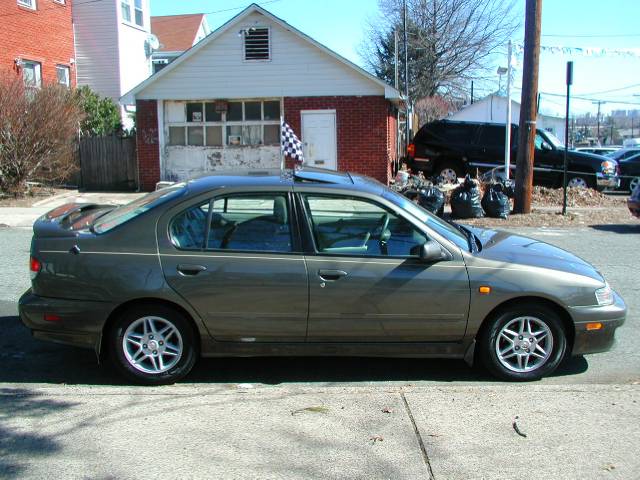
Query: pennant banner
{"points": [[585, 51]]}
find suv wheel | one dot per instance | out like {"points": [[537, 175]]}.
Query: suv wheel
{"points": [[580, 181], [450, 171], [523, 343], [153, 345]]}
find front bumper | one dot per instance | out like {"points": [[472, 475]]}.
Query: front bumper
{"points": [[594, 341], [607, 181], [80, 321]]}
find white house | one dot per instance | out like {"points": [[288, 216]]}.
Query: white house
{"points": [[218, 105], [113, 46], [493, 109]]}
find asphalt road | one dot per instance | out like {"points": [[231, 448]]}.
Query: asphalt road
{"points": [[613, 249]]}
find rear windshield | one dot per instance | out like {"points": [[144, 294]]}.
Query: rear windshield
{"points": [[122, 214]]}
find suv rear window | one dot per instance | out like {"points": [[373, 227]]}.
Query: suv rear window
{"points": [[123, 214]]}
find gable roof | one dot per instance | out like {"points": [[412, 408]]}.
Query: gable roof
{"points": [[176, 33], [129, 98]]}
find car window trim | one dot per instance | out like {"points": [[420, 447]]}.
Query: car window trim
{"points": [[295, 243], [314, 248]]}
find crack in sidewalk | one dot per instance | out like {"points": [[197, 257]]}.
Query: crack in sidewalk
{"points": [[423, 449]]}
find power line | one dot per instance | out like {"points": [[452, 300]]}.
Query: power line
{"points": [[241, 8], [615, 35], [613, 90]]}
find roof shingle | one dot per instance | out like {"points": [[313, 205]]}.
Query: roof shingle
{"points": [[176, 33]]}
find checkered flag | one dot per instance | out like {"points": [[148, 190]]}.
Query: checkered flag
{"points": [[290, 143]]}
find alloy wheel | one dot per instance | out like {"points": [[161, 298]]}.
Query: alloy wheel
{"points": [[577, 182], [449, 175], [524, 344], [152, 345], [633, 184]]}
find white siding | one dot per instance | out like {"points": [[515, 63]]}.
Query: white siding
{"points": [[96, 40], [296, 68], [493, 109], [135, 66]]}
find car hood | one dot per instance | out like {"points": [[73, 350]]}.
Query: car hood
{"points": [[503, 246]]}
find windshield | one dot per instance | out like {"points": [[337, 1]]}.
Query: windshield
{"points": [[553, 139], [440, 226], [122, 214]]}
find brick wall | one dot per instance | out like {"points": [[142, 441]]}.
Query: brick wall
{"points": [[147, 144], [43, 35], [362, 125]]}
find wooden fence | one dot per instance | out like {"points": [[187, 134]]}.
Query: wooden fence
{"points": [[108, 163]]}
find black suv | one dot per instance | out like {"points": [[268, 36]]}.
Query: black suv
{"points": [[452, 149]]}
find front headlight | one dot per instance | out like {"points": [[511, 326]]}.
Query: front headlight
{"points": [[604, 295], [608, 167]]}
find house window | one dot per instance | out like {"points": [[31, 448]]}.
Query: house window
{"points": [[217, 124], [256, 44], [27, 3], [125, 7], [31, 73], [62, 72], [138, 14], [139, 17]]}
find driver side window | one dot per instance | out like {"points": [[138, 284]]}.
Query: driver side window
{"points": [[356, 226]]}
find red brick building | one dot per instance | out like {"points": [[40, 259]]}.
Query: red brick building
{"points": [[218, 106], [37, 40]]}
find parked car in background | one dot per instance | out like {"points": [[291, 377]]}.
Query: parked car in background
{"points": [[630, 172], [623, 153], [598, 150], [311, 262], [452, 149], [634, 202]]}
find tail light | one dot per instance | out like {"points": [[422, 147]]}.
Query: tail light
{"points": [[411, 150], [34, 267], [608, 167]]}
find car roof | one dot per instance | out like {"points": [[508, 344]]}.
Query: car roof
{"points": [[282, 178]]}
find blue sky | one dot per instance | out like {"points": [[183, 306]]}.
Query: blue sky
{"points": [[341, 25]]}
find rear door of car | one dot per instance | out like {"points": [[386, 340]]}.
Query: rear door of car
{"points": [[245, 275], [362, 290]]}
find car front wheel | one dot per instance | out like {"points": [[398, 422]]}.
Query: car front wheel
{"points": [[523, 343], [153, 345]]}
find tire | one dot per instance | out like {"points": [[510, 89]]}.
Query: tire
{"points": [[550, 343], [449, 170], [161, 347], [578, 180], [634, 183]]}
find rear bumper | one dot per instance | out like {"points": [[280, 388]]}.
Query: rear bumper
{"points": [[594, 341], [607, 181], [80, 322]]}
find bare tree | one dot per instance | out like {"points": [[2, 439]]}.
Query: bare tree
{"points": [[450, 43], [38, 127]]}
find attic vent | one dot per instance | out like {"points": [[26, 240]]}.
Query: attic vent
{"points": [[256, 44]]}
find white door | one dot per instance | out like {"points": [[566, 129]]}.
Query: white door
{"points": [[319, 138]]}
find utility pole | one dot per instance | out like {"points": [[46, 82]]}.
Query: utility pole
{"points": [[472, 98], [527, 130], [599, 102], [566, 138], [395, 57], [507, 135], [406, 75]]}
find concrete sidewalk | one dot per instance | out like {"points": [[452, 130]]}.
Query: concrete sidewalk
{"points": [[237, 431], [25, 216]]}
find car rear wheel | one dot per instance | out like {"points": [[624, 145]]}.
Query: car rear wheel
{"points": [[450, 171], [523, 343], [153, 345]]}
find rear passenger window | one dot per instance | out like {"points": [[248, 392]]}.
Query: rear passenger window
{"points": [[258, 223], [251, 222]]}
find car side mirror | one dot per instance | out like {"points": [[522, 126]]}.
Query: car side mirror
{"points": [[546, 146], [431, 252]]}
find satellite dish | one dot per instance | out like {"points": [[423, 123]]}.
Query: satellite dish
{"points": [[151, 43]]}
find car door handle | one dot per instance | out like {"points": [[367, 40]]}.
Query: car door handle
{"points": [[331, 275], [188, 269]]}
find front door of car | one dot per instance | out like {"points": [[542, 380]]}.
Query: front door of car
{"points": [[546, 166], [366, 281], [236, 260]]}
